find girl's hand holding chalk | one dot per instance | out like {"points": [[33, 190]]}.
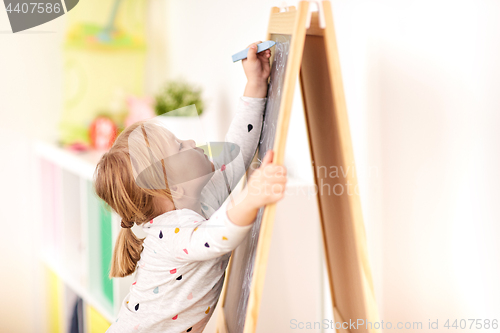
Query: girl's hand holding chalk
{"points": [[257, 70], [260, 47]]}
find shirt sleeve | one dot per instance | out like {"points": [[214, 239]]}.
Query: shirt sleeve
{"points": [[197, 239], [244, 131]]}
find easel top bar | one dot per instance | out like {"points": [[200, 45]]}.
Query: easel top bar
{"points": [[282, 22]]}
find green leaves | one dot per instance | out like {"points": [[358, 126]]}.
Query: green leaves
{"points": [[178, 94]]}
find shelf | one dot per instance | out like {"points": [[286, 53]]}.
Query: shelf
{"points": [[81, 291], [72, 242], [100, 248], [73, 308], [51, 217], [78, 241], [81, 164], [53, 291]]}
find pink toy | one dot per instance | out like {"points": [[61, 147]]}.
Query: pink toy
{"points": [[78, 147], [139, 109]]}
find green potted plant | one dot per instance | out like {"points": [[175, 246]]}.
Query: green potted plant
{"points": [[178, 94], [179, 106]]}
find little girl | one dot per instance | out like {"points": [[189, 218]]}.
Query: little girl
{"points": [[176, 194]]}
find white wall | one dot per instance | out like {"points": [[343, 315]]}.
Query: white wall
{"points": [[30, 103], [423, 76]]}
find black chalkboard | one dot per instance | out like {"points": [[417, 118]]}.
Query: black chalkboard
{"points": [[243, 260]]}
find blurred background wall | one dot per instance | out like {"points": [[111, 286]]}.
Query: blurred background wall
{"points": [[30, 104], [421, 81]]}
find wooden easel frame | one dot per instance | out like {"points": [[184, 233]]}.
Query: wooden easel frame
{"points": [[313, 52]]}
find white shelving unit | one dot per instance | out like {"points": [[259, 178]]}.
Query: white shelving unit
{"points": [[79, 235], [73, 238]]}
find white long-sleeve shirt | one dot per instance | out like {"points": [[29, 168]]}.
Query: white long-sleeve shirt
{"points": [[181, 271]]}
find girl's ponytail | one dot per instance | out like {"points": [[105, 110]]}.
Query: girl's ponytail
{"points": [[127, 252], [114, 182]]}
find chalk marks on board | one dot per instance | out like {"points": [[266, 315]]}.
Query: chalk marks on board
{"points": [[239, 284], [281, 49]]}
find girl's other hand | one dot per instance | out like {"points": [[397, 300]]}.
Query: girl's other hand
{"points": [[265, 186], [257, 70], [267, 183]]}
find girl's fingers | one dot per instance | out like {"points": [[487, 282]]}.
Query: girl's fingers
{"points": [[252, 53], [264, 54], [277, 189], [268, 158], [277, 168], [258, 42]]}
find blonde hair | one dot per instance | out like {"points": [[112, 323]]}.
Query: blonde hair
{"points": [[116, 182]]}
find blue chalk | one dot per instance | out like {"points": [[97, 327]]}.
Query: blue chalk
{"points": [[260, 47]]}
